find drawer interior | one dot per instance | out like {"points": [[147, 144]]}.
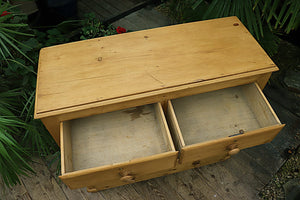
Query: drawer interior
{"points": [[222, 113], [114, 137]]}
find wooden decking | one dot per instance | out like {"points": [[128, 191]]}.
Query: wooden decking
{"points": [[240, 177], [145, 18], [108, 9]]}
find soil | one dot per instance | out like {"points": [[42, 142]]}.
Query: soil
{"points": [[286, 182]]}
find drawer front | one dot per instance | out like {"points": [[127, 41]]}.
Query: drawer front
{"points": [[116, 148], [213, 126], [218, 150], [100, 178]]}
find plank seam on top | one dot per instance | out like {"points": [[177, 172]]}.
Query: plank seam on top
{"points": [[92, 102], [151, 92]]}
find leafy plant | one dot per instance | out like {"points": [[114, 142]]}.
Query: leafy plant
{"points": [[263, 18], [62, 33], [9, 45], [270, 41], [20, 135], [280, 14], [13, 157], [36, 138], [241, 9], [276, 14], [93, 28]]}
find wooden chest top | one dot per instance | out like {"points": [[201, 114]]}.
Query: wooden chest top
{"points": [[78, 75]]}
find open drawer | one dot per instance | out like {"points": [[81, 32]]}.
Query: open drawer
{"points": [[212, 126], [115, 148]]}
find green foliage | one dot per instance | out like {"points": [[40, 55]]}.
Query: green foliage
{"points": [[36, 138], [62, 33], [276, 13], [270, 42], [203, 10], [18, 74], [93, 28], [9, 45], [277, 16], [20, 135], [13, 157], [224, 8]]}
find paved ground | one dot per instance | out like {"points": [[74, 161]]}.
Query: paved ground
{"points": [[145, 18]]}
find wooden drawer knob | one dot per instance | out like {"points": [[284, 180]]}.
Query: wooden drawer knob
{"points": [[91, 189], [233, 151], [128, 179]]}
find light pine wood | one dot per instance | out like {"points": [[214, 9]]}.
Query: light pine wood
{"points": [[200, 154], [52, 123], [262, 82], [53, 126], [260, 106], [260, 76], [222, 113], [101, 151], [144, 61], [109, 176], [234, 151], [217, 150], [66, 147], [208, 152], [164, 126], [210, 124], [175, 129], [110, 142]]}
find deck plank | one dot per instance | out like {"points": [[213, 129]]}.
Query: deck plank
{"points": [[227, 185], [42, 185], [122, 5], [80, 193], [106, 9], [16, 192], [145, 18], [266, 156], [152, 190], [248, 170], [189, 185], [74, 194], [126, 192], [84, 9], [116, 7]]}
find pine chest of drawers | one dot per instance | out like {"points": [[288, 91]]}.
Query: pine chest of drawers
{"points": [[139, 105]]}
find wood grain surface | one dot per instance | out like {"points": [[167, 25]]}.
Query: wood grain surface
{"points": [[118, 66]]}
